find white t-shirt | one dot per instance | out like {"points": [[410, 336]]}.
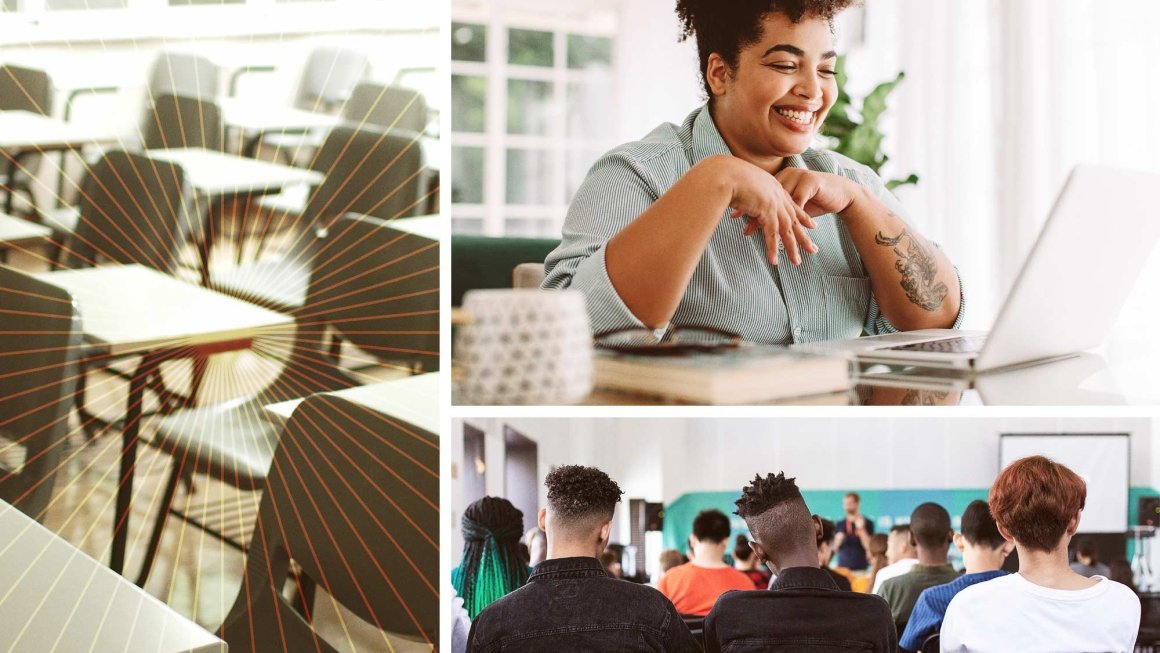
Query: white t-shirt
{"points": [[890, 571], [1010, 613]]}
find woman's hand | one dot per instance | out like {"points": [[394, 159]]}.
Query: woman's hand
{"points": [[765, 204], [819, 192]]}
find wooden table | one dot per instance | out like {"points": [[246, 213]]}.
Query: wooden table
{"points": [[15, 232], [53, 597], [135, 310], [414, 400], [23, 133]]}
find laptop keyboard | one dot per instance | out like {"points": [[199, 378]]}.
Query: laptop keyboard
{"points": [[963, 345]]}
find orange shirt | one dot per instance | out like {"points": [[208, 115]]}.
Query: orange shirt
{"points": [[694, 590]]}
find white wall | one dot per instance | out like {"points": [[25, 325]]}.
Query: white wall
{"points": [[661, 459]]}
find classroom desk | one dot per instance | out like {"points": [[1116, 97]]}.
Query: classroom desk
{"points": [[135, 310], [23, 133], [218, 176], [56, 598], [17, 233], [414, 400], [254, 120]]}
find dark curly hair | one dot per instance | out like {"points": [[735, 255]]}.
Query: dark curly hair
{"points": [[727, 27], [711, 526], [575, 491], [765, 493]]}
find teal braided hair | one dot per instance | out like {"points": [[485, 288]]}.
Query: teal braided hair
{"points": [[491, 565]]}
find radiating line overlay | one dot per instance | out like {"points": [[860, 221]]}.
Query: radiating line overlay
{"points": [[317, 532]]}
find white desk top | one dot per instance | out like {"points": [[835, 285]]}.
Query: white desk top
{"points": [[53, 597], [132, 308], [24, 130], [431, 227], [252, 116], [217, 173], [414, 400], [14, 231]]}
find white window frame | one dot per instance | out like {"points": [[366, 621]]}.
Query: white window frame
{"points": [[494, 211]]}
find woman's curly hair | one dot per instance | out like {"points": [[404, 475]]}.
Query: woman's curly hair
{"points": [[727, 27]]}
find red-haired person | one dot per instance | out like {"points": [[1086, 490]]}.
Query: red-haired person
{"points": [[1037, 504]]}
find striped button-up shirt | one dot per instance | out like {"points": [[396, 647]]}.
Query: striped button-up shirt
{"points": [[734, 287]]}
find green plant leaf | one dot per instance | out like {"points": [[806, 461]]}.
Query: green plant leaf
{"points": [[895, 183]]}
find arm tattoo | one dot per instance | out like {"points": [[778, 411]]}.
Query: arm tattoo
{"points": [[918, 269]]}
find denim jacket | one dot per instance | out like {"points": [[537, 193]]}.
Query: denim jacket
{"points": [[572, 604], [802, 611]]}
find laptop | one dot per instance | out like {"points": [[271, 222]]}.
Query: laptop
{"points": [[1100, 233]]}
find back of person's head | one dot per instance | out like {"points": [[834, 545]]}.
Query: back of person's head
{"points": [[491, 565], [711, 526], [777, 516], [878, 543], [930, 527], [671, 558], [978, 526], [741, 550], [581, 500], [828, 533], [898, 546], [1036, 501], [1086, 547]]}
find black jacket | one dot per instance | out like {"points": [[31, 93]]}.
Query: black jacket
{"points": [[572, 604], [802, 611]]}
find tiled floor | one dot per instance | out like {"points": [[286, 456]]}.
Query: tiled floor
{"points": [[195, 573]]}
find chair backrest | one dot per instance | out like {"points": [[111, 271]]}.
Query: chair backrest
{"points": [[353, 498], [528, 275], [390, 107], [481, 262], [696, 626], [379, 288], [368, 171], [930, 644], [25, 89], [177, 121], [40, 335], [329, 77], [179, 73], [132, 210]]}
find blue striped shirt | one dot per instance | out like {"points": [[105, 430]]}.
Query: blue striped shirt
{"points": [[927, 617], [734, 287]]}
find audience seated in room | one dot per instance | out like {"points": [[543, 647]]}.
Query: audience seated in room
{"points": [[900, 555], [930, 535], [694, 586], [1037, 503], [984, 551], [570, 603], [803, 604]]}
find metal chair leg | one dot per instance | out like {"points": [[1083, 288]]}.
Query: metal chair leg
{"points": [[175, 475]]}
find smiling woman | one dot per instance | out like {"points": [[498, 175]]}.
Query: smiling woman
{"points": [[665, 230]]}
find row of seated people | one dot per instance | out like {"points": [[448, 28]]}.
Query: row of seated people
{"points": [[570, 601]]}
